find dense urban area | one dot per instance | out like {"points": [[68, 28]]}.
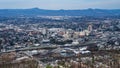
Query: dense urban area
{"points": [[60, 42]]}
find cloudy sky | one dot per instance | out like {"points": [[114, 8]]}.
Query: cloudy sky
{"points": [[60, 4]]}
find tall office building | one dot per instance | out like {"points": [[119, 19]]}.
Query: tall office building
{"points": [[90, 28]]}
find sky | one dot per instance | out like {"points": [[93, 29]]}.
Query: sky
{"points": [[60, 4]]}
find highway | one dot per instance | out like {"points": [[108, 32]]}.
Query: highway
{"points": [[47, 47], [31, 48]]}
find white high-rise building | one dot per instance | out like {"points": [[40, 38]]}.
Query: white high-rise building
{"points": [[90, 28]]}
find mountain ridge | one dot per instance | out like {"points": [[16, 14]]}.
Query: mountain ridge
{"points": [[61, 12]]}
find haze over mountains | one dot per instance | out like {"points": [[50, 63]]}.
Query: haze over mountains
{"points": [[43, 12]]}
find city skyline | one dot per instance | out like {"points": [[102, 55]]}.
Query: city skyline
{"points": [[59, 4]]}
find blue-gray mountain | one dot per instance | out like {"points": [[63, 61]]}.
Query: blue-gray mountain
{"points": [[42, 12]]}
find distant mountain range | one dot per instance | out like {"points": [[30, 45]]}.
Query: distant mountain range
{"points": [[43, 12]]}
